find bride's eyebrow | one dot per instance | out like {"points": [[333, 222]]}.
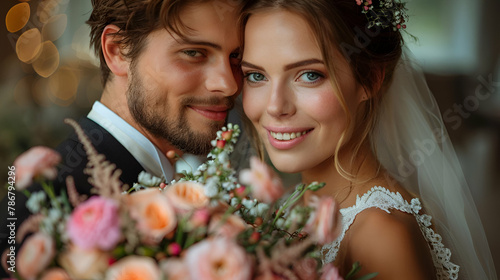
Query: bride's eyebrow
{"points": [[250, 65], [288, 66], [302, 63]]}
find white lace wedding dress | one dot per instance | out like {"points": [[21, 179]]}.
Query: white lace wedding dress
{"points": [[383, 199]]}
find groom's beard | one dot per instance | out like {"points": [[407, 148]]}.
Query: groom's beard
{"points": [[175, 129]]}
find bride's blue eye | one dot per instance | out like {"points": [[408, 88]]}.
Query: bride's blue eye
{"points": [[255, 77], [310, 77]]}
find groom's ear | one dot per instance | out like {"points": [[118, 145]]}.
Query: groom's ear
{"points": [[112, 51]]}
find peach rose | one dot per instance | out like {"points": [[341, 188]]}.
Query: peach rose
{"points": [[230, 228], [186, 196], [95, 224], [266, 186], [153, 213], [84, 264], [55, 274], [218, 258], [134, 267], [34, 162], [175, 269], [324, 224], [35, 255]]}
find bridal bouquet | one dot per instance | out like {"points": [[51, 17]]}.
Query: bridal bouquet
{"points": [[207, 225]]}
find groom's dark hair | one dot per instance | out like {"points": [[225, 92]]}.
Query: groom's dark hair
{"points": [[136, 20]]}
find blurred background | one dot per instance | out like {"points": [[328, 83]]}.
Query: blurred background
{"points": [[48, 73]]}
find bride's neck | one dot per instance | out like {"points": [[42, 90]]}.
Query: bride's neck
{"points": [[364, 168]]}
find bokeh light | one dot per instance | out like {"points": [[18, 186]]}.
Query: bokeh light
{"points": [[54, 27], [48, 60], [17, 17], [63, 85], [28, 45]]}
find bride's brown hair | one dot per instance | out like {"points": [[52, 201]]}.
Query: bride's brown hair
{"points": [[340, 28]]}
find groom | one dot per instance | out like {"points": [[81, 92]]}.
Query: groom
{"points": [[171, 73]]}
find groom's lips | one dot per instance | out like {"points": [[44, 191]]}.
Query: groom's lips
{"points": [[216, 113]]}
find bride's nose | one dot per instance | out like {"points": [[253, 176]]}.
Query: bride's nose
{"points": [[281, 101]]}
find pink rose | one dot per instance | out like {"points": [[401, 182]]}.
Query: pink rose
{"points": [[324, 224], [175, 269], [55, 274], [306, 269], [218, 258], [34, 162], [266, 186], [134, 267], [84, 264], [186, 196], [153, 213], [330, 272], [230, 227], [35, 255], [95, 224]]}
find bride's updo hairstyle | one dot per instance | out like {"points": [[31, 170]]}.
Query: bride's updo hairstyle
{"points": [[341, 30]]}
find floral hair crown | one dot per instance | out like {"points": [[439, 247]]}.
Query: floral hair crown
{"points": [[388, 13]]}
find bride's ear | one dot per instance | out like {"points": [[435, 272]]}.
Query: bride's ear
{"points": [[378, 81], [117, 63]]}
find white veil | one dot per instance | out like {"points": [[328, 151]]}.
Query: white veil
{"points": [[411, 142]]}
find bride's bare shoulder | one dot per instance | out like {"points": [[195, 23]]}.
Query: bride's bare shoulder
{"points": [[390, 244]]}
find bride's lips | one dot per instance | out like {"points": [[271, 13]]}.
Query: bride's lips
{"points": [[216, 113], [284, 138]]}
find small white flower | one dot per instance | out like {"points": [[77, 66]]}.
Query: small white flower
{"points": [[211, 170], [211, 190], [248, 203], [280, 223], [223, 157], [34, 201], [54, 214], [202, 167], [214, 143], [234, 202], [262, 208], [197, 173], [149, 180]]}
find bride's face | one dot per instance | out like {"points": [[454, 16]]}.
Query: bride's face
{"points": [[288, 95]]}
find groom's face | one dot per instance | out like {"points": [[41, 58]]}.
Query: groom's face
{"points": [[180, 89]]}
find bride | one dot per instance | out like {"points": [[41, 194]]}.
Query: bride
{"points": [[332, 94]]}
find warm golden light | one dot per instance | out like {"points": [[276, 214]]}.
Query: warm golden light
{"points": [[48, 60], [17, 17], [28, 45], [54, 27]]}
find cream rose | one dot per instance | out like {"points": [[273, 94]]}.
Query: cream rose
{"points": [[84, 264]]}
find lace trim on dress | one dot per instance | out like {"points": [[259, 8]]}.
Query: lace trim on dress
{"points": [[385, 200]]}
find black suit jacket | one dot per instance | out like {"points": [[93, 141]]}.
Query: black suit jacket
{"points": [[74, 161]]}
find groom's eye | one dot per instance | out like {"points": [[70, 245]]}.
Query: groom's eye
{"points": [[192, 53]]}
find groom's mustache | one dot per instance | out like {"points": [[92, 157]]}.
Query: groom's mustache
{"points": [[210, 101]]}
